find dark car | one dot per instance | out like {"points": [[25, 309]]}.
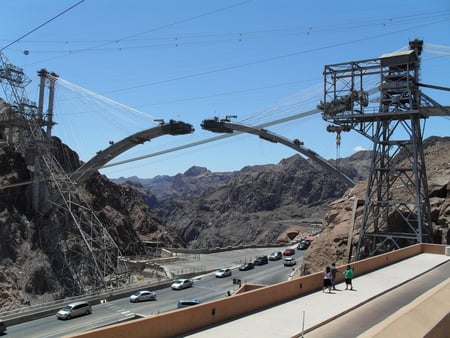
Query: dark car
{"points": [[2, 327], [261, 260], [303, 245], [289, 252], [275, 256], [246, 266], [187, 302]]}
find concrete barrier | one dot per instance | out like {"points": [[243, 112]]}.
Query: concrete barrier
{"points": [[250, 298], [414, 319]]}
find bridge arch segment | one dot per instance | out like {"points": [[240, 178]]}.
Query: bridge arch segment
{"points": [[173, 127], [226, 126]]}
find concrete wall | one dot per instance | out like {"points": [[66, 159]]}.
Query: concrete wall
{"points": [[413, 320], [250, 298]]}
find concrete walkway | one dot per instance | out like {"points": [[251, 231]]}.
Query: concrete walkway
{"points": [[313, 310]]}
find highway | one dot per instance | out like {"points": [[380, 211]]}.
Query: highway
{"points": [[206, 288]]}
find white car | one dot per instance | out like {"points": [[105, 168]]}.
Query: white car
{"points": [[224, 272], [140, 296], [74, 310], [180, 284], [289, 261]]}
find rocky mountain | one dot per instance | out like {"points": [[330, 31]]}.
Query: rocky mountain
{"points": [[189, 185], [255, 205], [42, 258], [333, 243]]}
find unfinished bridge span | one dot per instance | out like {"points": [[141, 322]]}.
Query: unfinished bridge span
{"points": [[82, 174], [226, 126]]}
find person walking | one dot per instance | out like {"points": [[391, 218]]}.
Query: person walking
{"points": [[333, 271], [348, 276], [327, 280]]}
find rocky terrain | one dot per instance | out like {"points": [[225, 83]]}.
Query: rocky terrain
{"points": [[332, 244], [31, 266], [255, 205], [198, 209]]}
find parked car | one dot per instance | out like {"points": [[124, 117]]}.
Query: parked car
{"points": [[275, 256], [180, 284], [2, 327], [141, 296], [289, 261], [246, 266], [187, 302], [74, 310], [224, 272], [303, 245], [261, 260], [289, 252]]}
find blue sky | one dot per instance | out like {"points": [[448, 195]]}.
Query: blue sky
{"points": [[123, 64]]}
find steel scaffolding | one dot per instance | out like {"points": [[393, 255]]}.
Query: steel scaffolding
{"points": [[396, 208]]}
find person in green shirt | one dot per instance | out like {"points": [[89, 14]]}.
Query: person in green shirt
{"points": [[348, 276]]}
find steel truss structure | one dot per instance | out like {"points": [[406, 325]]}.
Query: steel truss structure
{"points": [[84, 263], [396, 208]]}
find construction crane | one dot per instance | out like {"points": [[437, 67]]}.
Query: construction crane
{"points": [[27, 127], [397, 207]]}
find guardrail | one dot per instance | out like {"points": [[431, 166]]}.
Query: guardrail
{"points": [[37, 311], [254, 298]]}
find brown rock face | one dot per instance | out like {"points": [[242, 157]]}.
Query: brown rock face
{"points": [[31, 259], [333, 243]]}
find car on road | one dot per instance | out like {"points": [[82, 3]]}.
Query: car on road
{"points": [[261, 260], [289, 261], [275, 256], [246, 266], [289, 252], [187, 302], [181, 284], [2, 327], [304, 244], [224, 272], [74, 310], [141, 296]]}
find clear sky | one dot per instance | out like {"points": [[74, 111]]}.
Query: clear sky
{"points": [[123, 64]]}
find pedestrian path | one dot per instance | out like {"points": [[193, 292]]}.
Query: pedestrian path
{"points": [[293, 317]]}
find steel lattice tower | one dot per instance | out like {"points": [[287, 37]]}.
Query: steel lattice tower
{"points": [[396, 207], [92, 260]]}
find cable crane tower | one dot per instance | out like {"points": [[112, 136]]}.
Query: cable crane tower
{"points": [[82, 264], [396, 207]]}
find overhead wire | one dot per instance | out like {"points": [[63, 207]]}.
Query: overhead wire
{"points": [[42, 25], [156, 28], [381, 23]]}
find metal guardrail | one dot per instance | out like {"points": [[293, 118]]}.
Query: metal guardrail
{"points": [[37, 311]]}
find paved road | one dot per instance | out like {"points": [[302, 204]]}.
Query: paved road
{"points": [[206, 288], [356, 322], [286, 320]]}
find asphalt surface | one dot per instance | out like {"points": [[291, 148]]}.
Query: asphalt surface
{"points": [[342, 313], [355, 323]]}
